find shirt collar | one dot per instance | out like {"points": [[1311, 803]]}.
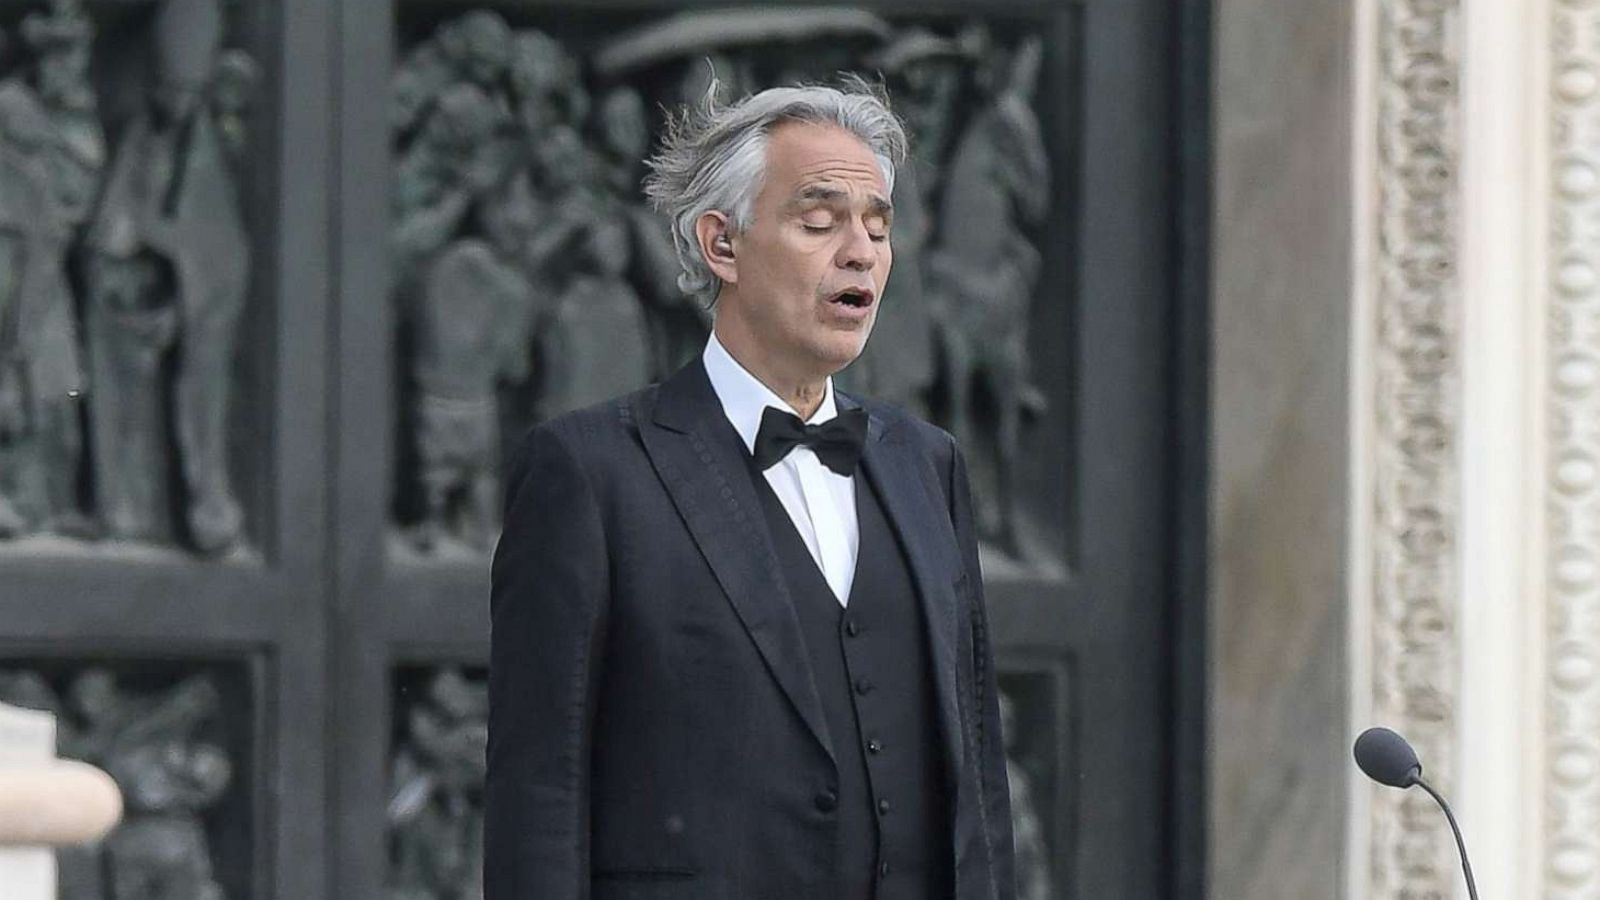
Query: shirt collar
{"points": [[744, 397]]}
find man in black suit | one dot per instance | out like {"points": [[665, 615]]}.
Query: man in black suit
{"points": [[739, 645]]}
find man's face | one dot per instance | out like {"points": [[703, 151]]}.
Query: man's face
{"points": [[808, 271]]}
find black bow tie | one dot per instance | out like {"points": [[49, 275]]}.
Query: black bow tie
{"points": [[837, 442]]}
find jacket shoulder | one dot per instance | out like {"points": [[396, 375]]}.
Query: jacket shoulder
{"points": [[909, 428], [591, 433]]}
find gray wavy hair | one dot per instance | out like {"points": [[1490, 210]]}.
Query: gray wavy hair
{"points": [[713, 157]]}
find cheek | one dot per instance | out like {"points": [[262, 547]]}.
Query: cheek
{"points": [[792, 266], [804, 276]]}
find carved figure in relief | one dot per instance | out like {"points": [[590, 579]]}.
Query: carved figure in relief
{"points": [[485, 118], [61, 40], [546, 82], [51, 155], [168, 270], [473, 49], [450, 100], [1034, 881], [436, 800], [898, 365], [677, 325], [595, 343], [984, 269], [440, 172], [472, 330], [552, 104], [168, 777]]}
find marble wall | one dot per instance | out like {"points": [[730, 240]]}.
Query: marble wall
{"points": [[1404, 417], [1281, 325]]}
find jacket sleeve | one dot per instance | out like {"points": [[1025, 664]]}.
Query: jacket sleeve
{"points": [[547, 607], [995, 805]]}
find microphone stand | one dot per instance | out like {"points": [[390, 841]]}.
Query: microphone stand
{"points": [[1461, 845]]}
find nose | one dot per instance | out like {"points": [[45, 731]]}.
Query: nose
{"points": [[857, 253]]}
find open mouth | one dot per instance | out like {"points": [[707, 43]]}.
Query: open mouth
{"points": [[856, 298]]}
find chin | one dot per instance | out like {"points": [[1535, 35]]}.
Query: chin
{"points": [[841, 354]]}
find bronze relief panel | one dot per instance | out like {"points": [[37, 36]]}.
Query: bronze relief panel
{"points": [[125, 275], [530, 278]]}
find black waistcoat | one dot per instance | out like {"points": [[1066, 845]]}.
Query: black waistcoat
{"points": [[875, 678]]}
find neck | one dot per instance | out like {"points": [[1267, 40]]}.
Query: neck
{"points": [[803, 391]]}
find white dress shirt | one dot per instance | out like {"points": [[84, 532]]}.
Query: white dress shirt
{"points": [[820, 502]]}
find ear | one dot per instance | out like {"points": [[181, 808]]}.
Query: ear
{"points": [[714, 232]]}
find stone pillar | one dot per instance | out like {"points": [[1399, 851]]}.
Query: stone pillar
{"points": [[1280, 438], [44, 802], [27, 740]]}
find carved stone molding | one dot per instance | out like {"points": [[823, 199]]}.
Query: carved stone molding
{"points": [[1572, 467], [1415, 401]]}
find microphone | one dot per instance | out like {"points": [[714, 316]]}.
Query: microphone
{"points": [[1388, 759]]}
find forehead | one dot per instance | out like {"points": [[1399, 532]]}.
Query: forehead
{"points": [[801, 154]]}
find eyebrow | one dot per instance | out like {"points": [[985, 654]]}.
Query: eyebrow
{"points": [[824, 194]]}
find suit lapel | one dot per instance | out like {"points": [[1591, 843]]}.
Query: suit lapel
{"points": [[908, 486], [699, 459]]}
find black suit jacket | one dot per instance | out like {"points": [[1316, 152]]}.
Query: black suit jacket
{"points": [[654, 728]]}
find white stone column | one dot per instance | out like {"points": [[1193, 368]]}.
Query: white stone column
{"points": [[27, 739], [1499, 733], [44, 803]]}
